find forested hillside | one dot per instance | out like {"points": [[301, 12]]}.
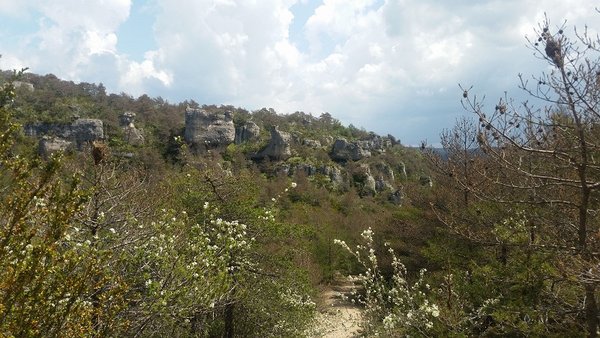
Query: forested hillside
{"points": [[125, 217]]}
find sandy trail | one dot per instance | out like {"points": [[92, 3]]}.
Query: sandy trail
{"points": [[338, 317]]}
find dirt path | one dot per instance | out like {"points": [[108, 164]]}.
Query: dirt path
{"points": [[338, 317]]}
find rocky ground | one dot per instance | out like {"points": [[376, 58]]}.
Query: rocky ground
{"points": [[338, 316]]}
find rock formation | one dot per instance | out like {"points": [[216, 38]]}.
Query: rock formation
{"points": [[48, 145], [250, 131], [344, 151], [208, 130], [278, 147], [334, 173], [132, 135], [87, 130], [80, 132], [364, 180]]}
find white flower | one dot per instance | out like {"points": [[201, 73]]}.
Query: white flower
{"points": [[112, 230], [294, 184]]}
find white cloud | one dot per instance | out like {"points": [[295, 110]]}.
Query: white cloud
{"points": [[372, 63]]}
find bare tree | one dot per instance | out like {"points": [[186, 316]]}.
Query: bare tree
{"points": [[546, 158]]}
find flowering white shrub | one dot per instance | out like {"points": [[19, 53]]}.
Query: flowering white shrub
{"points": [[392, 306]]}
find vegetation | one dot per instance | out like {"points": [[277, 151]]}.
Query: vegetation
{"points": [[495, 236]]}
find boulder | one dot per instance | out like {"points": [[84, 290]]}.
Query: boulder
{"points": [[209, 130], [250, 131], [344, 151], [278, 147]]}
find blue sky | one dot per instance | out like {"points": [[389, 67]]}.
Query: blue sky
{"points": [[390, 66]]}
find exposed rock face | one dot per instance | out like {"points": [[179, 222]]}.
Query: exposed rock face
{"points": [[369, 187], [375, 143], [306, 168], [365, 181], [385, 171], [334, 173], [132, 135], [49, 145], [278, 147], [209, 130], [87, 130], [80, 132], [248, 132], [345, 151]]}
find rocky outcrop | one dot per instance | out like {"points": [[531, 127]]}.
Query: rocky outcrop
{"points": [[87, 130], [334, 173], [131, 134], [49, 145], [365, 182], [250, 131], [278, 147], [375, 143], [385, 171], [80, 132], [345, 151], [306, 168], [209, 130]]}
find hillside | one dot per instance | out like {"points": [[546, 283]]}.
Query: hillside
{"points": [[127, 217], [296, 181]]}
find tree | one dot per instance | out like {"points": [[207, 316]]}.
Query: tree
{"points": [[542, 162]]}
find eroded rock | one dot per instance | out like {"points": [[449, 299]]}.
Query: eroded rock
{"points": [[344, 151], [278, 147], [209, 130]]}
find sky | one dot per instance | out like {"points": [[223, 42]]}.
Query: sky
{"points": [[389, 66]]}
